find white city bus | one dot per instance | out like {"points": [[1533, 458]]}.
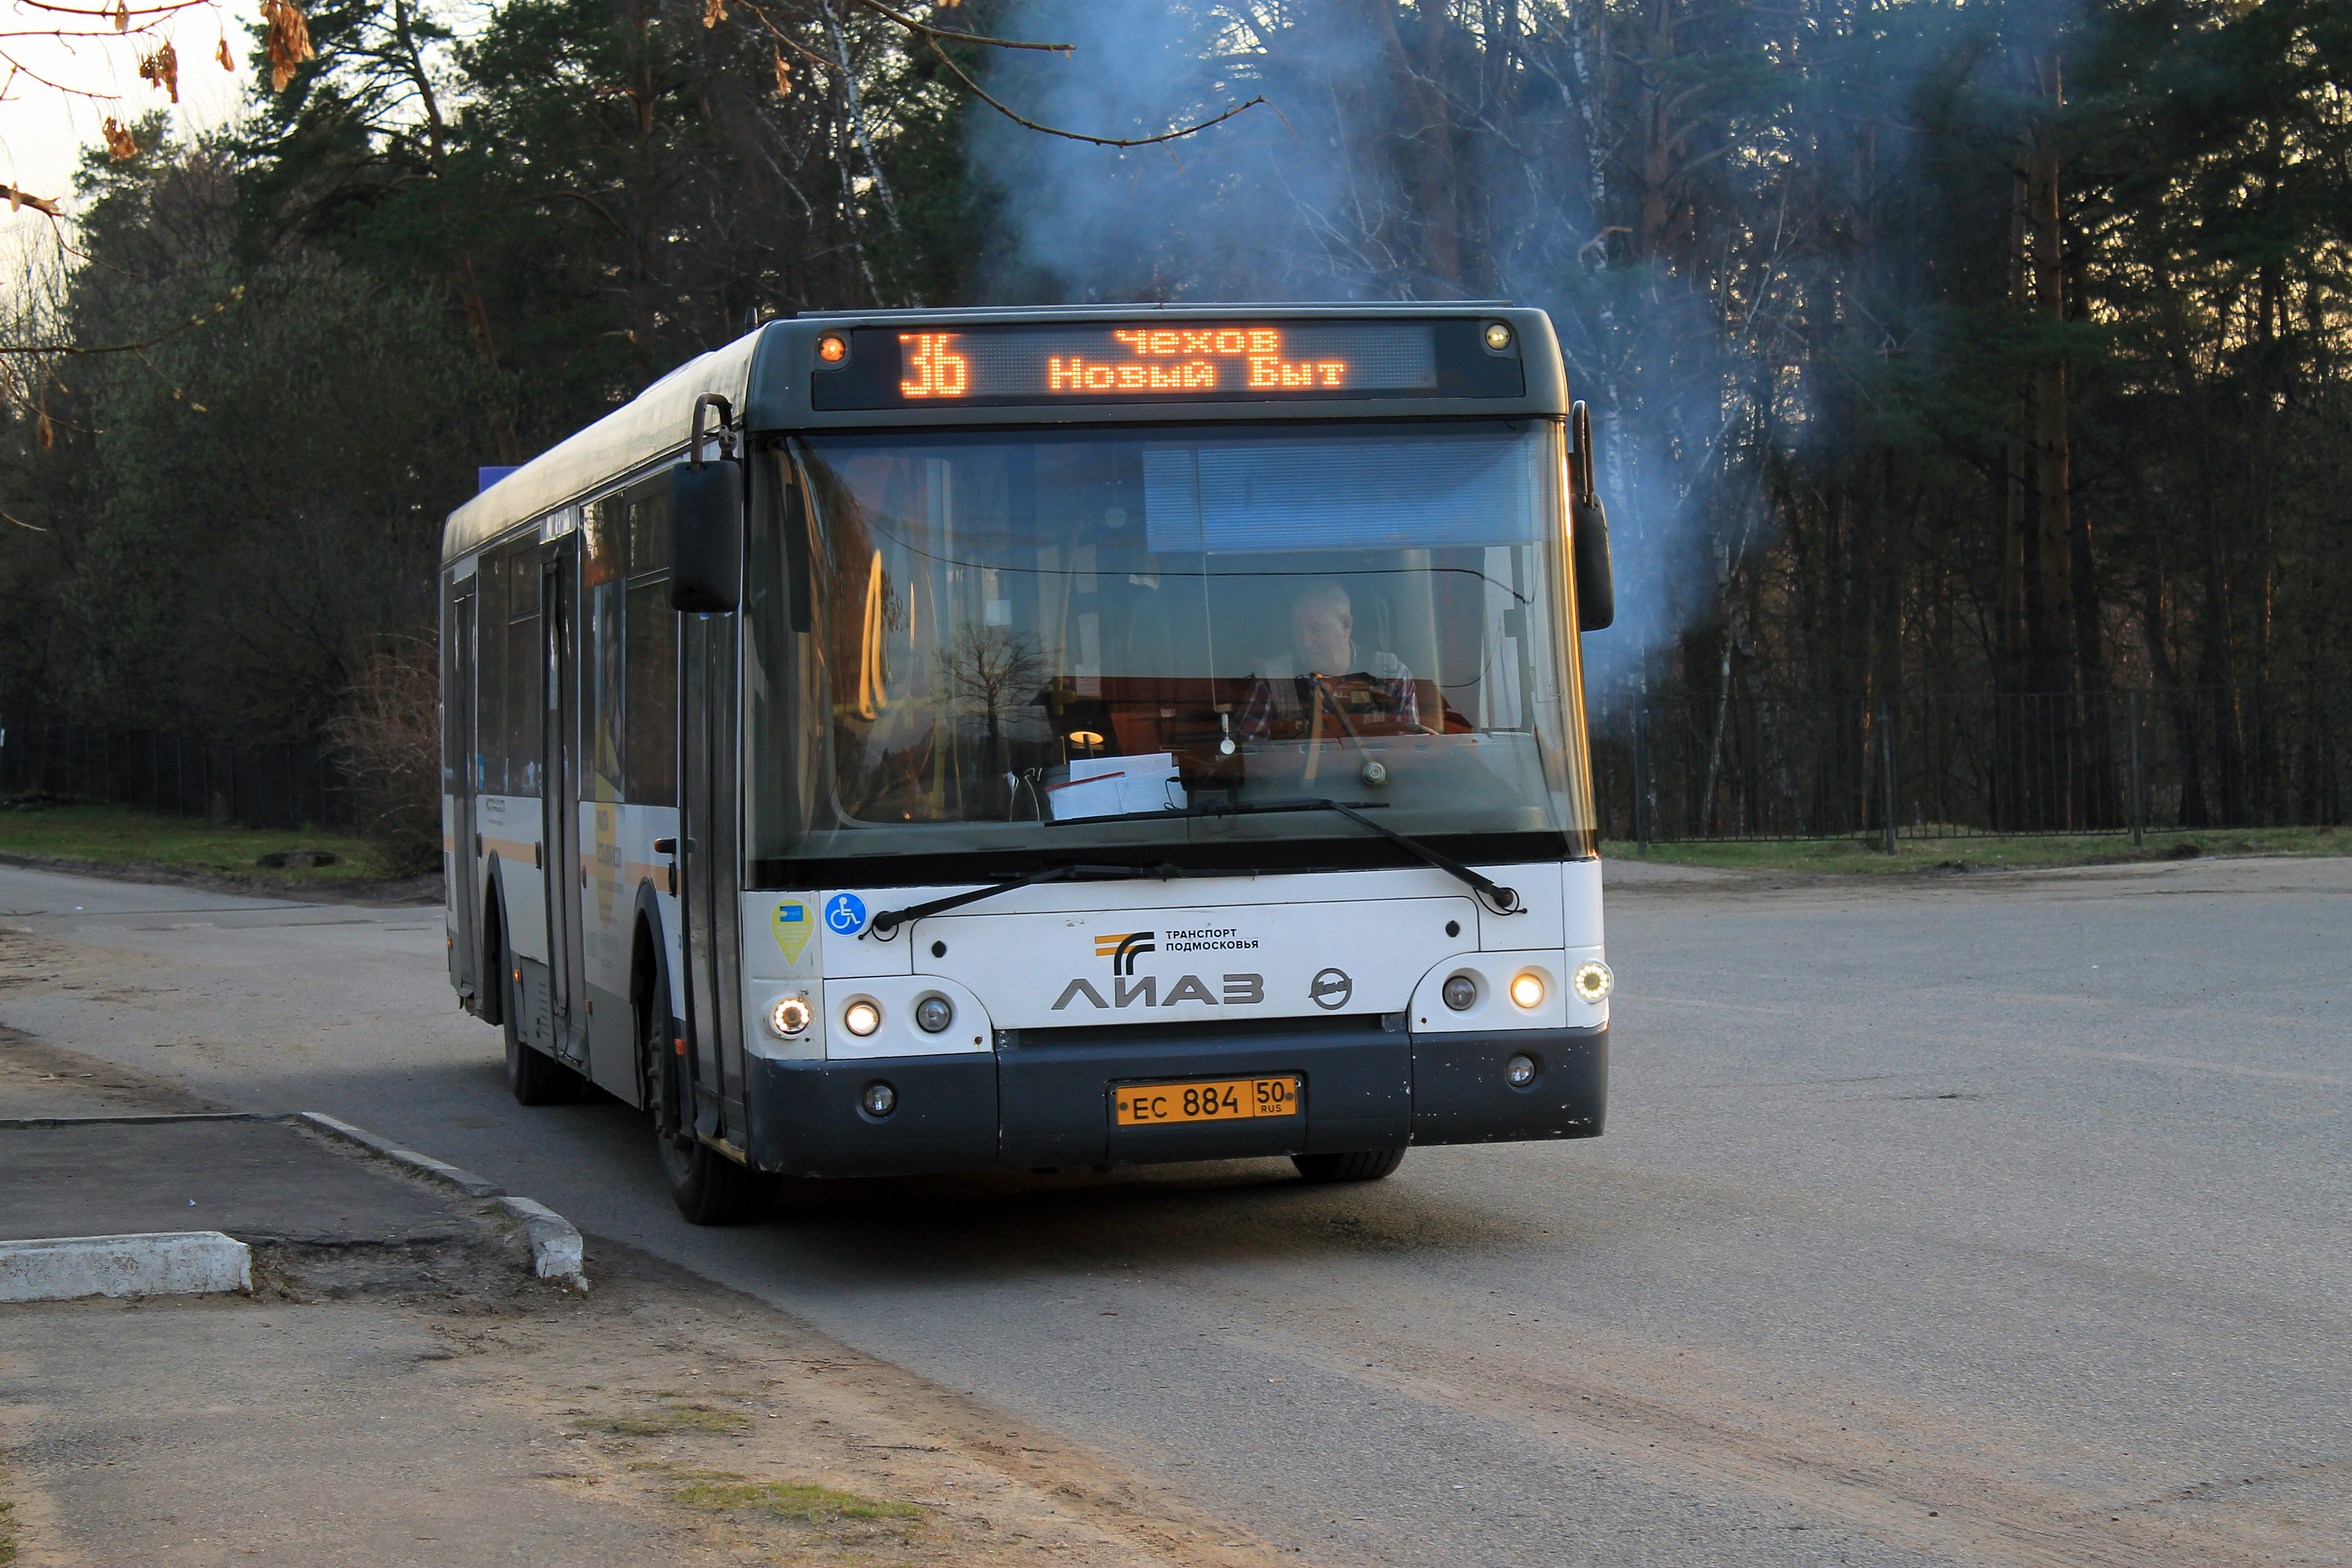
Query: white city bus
{"points": [[920, 741]]}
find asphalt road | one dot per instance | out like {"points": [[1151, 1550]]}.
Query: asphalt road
{"points": [[1990, 1219]]}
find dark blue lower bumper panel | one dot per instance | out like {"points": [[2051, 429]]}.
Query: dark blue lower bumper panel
{"points": [[1045, 1099]]}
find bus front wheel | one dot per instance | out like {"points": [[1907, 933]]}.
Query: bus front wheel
{"points": [[1368, 1166], [708, 1188]]}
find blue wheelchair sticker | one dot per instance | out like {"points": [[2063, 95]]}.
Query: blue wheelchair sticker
{"points": [[844, 914]]}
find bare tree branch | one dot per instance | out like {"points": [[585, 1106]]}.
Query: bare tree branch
{"points": [[925, 31], [982, 93], [76, 349]]}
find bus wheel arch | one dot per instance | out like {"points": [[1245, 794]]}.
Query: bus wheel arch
{"points": [[491, 994]]}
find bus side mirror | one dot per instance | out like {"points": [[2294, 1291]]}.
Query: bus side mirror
{"points": [[706, 526], [1596, 580]]}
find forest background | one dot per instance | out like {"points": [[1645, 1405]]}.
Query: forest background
{"points": [[1936, 346]]}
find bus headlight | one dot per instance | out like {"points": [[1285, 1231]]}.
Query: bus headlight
{"points": [[878, 1099], [933, 1014], [1460, 991], [1593, 981], [861, 1018], [1520, 1071], [1527, 990], [788, 1017]]}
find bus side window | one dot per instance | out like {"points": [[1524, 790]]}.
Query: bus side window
{"points": [[456, 775], [491, 673], [600, 645], [649, 533], [525, 679], [649, 672]]}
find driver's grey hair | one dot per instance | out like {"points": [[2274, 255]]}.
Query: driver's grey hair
{"points": [[1323, 590]]}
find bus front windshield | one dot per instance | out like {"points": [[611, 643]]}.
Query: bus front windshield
{"points": [[1036, 647]]}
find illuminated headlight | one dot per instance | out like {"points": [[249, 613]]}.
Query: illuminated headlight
{"points": [[933, 1014], [1459, 992], [1593, 981], [788, 1017], [861, 1018], [1528, 990], [878, 1099]]}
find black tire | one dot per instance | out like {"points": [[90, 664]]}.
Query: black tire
{"points": [[533, 1077], [708, 1188], [1368, 1166]]}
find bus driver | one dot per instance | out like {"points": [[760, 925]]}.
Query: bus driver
{"points": [[1320, 688]]}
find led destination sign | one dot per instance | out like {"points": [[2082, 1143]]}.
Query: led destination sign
{"points": [[1168, 359], [873, 367]]}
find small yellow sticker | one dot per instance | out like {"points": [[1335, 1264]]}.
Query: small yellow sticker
{"points": [[793, 927]]}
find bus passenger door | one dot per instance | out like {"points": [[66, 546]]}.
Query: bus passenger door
{"points": [[710, 868], [560, 797], [459, 752]]}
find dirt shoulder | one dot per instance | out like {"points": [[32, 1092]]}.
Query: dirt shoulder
{"points": [[450, 1412], [698, 1406], [381, 1404]]}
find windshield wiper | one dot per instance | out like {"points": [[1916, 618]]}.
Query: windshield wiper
{"points": [[1503, 901], [889, 920]]}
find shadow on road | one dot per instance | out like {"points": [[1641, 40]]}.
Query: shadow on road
{"points": [[979, 1229]]}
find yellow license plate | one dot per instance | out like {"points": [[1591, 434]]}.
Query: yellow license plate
{"points": [[1226, 1099]]}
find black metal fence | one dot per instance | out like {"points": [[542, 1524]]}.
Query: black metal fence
{"points": [[272, 784], [1991, 762]]}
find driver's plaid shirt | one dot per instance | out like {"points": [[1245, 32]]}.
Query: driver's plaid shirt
{"points": [[1282, 707]]}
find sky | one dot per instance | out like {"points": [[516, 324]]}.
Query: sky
{"points": [[43, 132]]}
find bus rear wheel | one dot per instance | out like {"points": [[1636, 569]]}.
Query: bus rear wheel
{"points": [[708, 1188], [1369, 1165]]}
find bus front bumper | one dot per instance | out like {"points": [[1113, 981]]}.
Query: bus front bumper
{"points": [[1049, 1104]]}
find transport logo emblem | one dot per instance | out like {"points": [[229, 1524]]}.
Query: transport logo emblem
{"points": [[1331, 989], [1122, 948], [794, 927], [844, 914]]}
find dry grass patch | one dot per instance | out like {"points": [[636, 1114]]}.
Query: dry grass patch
{"points": [[669, 1420], [801, 1500], [1962, 852]]}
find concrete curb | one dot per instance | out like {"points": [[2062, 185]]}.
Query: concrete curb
{"points": [[169, 1263], [555, 1251], [425, 1166], [555, 1245]]}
